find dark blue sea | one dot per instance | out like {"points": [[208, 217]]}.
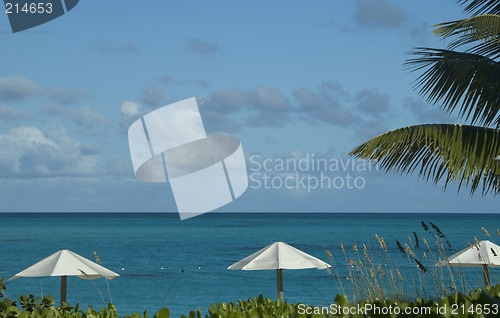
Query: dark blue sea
{"points": [[182, 265]]}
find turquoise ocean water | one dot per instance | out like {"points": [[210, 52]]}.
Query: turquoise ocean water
{"points": [[183, 264]]}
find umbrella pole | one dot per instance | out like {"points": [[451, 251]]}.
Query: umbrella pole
{"points": [[64, 282], [486, 275], [279, 282]]}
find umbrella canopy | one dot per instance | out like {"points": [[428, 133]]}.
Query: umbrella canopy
{"points": [[279, 256], [484, 253], [66, 263]]}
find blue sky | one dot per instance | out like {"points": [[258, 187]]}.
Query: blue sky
{"points": [[291, 79]]}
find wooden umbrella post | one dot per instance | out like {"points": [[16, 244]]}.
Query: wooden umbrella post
{"points": [[486, 276], [64, 283], [279, 282]]}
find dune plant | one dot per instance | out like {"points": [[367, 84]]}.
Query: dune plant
{"points": [[477, 303], [98, 261], [2, 287], [403, 270], [370, 273]]}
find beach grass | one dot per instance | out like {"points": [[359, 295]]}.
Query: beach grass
{"points": [[478, 303], [374, 270]]}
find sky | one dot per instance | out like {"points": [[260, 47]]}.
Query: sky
{"points": [[299, 83]]}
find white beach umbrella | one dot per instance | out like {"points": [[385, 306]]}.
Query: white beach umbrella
{"points": [[279, 256], [485, 254], [65, 263]]}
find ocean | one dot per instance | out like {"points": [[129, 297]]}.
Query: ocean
{"points": [[182, 265]]}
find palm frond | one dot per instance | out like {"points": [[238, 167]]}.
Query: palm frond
{"points": [[487, 49], [458, 78], [459, 153], [481, 6], [484, 28]]}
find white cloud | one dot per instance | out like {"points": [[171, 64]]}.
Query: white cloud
{"points": [[83, 117], [202, 47], [373, 103], [27, 151], [15, 88], [268, 98], [68, 96], [10, 114], [86, 118], [225, 101], [152, 96], [130, 112], [427, 114], [379, 14], [167, 79], [130, 109], [258, 106], [110, 48], [329, 103]]}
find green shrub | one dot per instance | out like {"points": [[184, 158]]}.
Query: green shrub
{"points": [[477, 304]]}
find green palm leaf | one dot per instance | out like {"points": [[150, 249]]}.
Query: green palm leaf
{"points": [[483, 28], [457, 78], [466, 82], [481, 6], [464, 154]]}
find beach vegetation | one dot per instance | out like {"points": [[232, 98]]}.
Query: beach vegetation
{"points": [[478, 303], [33, 307], [405, 269]]}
